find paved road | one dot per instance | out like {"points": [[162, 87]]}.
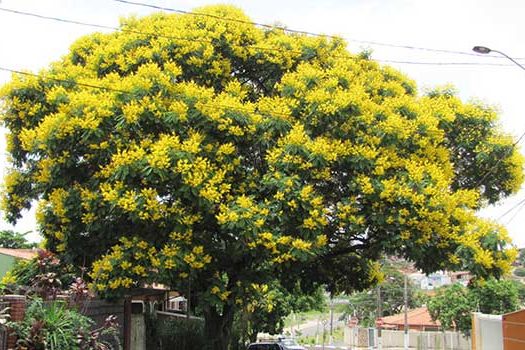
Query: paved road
{"points": [[314, 328]]}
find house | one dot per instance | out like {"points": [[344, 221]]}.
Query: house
{"points": [[418, 319], [432, 281], [462, 277], [155, 298], [9, 256], [439, 279]]}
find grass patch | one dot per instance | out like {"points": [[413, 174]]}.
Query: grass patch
{"points": [[338, 335]]}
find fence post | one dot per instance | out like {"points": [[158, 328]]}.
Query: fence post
{"points": [[127, 323], [17, 310], [474, 331]]}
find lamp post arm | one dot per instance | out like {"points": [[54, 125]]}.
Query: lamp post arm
{"points": [[510, 58]]}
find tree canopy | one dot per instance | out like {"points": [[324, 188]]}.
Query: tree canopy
{"points": [[453, 305], [12, 239], [364, 304], [215, 156]]}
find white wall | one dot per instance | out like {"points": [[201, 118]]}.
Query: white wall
{"points": [[427, 340], [487, 331]]}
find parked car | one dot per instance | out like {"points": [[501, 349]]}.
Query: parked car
{"points": [[290, 344], [280, 344], [265, 346]]}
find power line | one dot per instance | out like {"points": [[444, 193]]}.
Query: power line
{"points": [[268, 26], [511, 209], [132, 31], [64, 80], [444, 63], [516, 213], [105, 88], [99, 26], [100, 87]]}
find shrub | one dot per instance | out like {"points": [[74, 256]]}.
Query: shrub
{"points": [[27, 273], [181, 334], [51, 325]]}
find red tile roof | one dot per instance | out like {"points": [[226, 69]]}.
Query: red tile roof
{"points": [[26, 254], [416, 317]]}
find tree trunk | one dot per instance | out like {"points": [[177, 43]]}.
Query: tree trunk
{"points": [[217, 328], [253, 336]]}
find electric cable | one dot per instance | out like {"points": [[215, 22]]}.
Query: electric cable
{"points": [[132, 31], [511, 209], [518, 210], [58, 19], [269, 26], [100, 87]]}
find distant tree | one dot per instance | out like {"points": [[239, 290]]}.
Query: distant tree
{"points": [[521, 291], [12, 239], [521, 257], [24, 272], [364, 305], [266, 312], [519, 271], [452, 306], [313, 301], [496, 297]]}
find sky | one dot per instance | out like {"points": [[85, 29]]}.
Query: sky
{"points": [[28, 43]]}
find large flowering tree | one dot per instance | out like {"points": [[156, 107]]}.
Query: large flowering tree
{"points": [[215, 156]]}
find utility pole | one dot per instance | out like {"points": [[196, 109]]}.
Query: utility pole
{"points": [[405, 297], [324, 332], [188, 299], [379, 316], [331, 320], [317, 332]]}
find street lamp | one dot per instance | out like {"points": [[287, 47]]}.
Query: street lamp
{"points": [[485, 50]]}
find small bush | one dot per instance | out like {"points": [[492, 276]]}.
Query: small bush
{"points": [[24, 273], [53, 325], [49, 325], [181, 334]]}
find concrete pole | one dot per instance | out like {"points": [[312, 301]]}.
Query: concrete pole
{"points": [[188, 299], [379, 315], [317, 332], [405, 297], [324, 332], [331, 321], [293, 324]]}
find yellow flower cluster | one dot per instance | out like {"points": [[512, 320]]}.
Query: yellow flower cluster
{"points": [[196, 259], [57, 200], [221, 294], [123, 158], [479, 231], [127, 264]]}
